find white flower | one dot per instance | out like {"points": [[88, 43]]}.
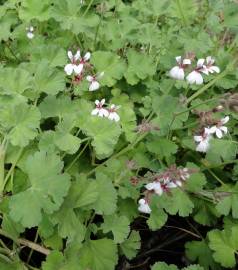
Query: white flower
{"points": [[144, 206], [94, 84], [30, 35], [209, 68], [177, 72], [219, 129], [169, 184], [113, 114], [156, 186], [30, 31], [73, 67], [195, 76], [203, 141], [99, 110], [184, 174]]}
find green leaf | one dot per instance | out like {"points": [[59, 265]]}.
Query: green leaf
{"points": [[196, 180], [48, 80], [34, 9], [70, 16], [14, 81], [221, 150], [56, 261], [131, 245], [21, 123], [109, 63], [105, 134], [107, 200], [225, 245], [162, 147], [6, 21], [177, 202], [200, 252], [140, 66], [229, 203], [193, 267], [98, 255], [163, 266], [67, 142], [46, 193], [57, 107], [118, 225], [157, 217]]}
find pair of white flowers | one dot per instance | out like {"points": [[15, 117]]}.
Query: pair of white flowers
{"points": [[76, 67], [204, 66], [159, 187], [110, 113], [30, 32], [203, 141]]}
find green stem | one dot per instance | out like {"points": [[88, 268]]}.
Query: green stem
{"points": [[2, 161], [88, 7], [12, 167], [77, 157]]}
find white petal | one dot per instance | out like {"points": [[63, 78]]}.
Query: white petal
{"points": [[205, 70], [224, 129], [116, 117], [30, 35], [69, 69], [178, 59], [77, 55], [103, 101], [198, 138], [105, 112], [70, 55], [225, 119], [178, 183], [213, 129], [171, 185], [90, 78], [219, 133], [195, 77], [187, 61], [177, 73], [142, 201], [210, 60], [150, 186], [207, 130], [100, 75], [94, 85], [203, 146], [87, 56], [31, 28], [215, 68], [97, 101], [200, 62], [144, 209], [78, 69], [95, 112]]}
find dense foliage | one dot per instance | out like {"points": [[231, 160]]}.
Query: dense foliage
{"points": [[105, 134]]}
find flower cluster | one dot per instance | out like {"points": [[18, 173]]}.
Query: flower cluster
{"points": [[30, 32], [78, 66], [219, 130], [204, 66], [173, 177], [101, 111], [209, 127]]}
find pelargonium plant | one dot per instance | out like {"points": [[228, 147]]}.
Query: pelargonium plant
{"points": [[115, 152]]}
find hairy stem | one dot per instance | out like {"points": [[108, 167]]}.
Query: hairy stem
{"points": [[27, 243]]}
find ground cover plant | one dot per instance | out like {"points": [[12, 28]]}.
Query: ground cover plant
{"points": [[118, 134]]}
